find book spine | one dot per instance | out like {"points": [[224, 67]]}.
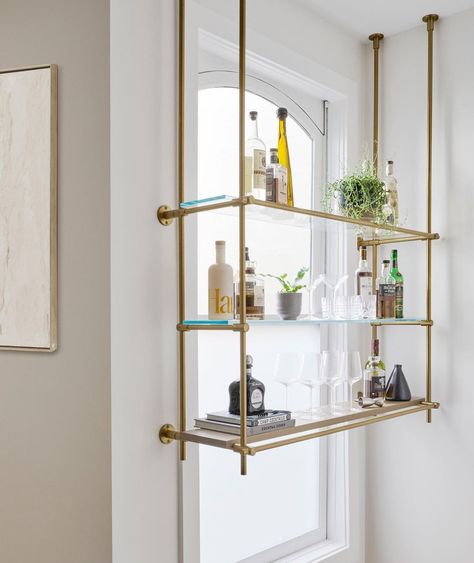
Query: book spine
{"points": [[269, 427], [273, 419]]}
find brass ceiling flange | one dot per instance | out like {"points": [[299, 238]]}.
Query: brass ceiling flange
{"points": [[166, 433], [430, 19], [165, 221], [376, 38]]}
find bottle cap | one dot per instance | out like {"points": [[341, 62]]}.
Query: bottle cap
{"points": [[253, 115], [282, 113], [273, 150], [386, 262], [389, 161], [220, 242], [249, 361]]}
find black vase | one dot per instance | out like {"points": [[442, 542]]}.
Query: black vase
{"points": [[397, 387]]}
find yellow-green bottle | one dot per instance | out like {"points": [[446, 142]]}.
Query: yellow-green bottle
{"points": [[283, 152]]}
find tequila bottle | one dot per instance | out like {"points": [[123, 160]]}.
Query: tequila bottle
{"points": [[255, 393]]}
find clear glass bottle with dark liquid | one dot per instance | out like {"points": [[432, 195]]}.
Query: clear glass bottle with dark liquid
{"points": [[374, 374], [254, 291]]}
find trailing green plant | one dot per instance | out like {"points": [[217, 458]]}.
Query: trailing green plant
{"points": [[290, 287], [358, 195]]}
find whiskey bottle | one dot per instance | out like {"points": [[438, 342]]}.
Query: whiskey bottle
{"points": [[220, 279], [386, 290], [363, 275], [391, 191], [254, 291], [256, 151], [277, 180], [283, 151], [374, 374], [255, 393], [398, 277]]}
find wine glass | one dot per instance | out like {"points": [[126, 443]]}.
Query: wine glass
{"points": [[311, 289], [334, 285], [287, 370], [331, 368], [351, 372], [311, 377]]}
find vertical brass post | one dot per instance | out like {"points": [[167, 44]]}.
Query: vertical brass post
{"points": [[242, 303], [430, 20], [376, 38], [374, 283], [181, 264]]}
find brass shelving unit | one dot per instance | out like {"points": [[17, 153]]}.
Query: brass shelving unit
{"points": [[374, 235]]}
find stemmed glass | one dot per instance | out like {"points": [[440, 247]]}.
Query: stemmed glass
{"points": [[311, 289], [331, 368], [351, 372], [334, 286], [287, 370], [311, 377]]}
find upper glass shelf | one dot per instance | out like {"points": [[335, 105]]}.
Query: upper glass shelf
{"points": [[302, 321], [257, 210]]}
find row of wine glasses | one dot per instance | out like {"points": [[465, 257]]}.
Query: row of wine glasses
{"points": [[314, 369]]}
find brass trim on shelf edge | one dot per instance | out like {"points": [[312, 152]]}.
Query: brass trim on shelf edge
{"points": [[237, 327], [395, 240], [430, 20], [401, 323]]}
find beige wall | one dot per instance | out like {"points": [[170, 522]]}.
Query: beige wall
{"points": [[55, 500]]}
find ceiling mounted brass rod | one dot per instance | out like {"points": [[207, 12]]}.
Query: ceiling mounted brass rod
{"points": [[395, 240], [376, 38], [430, 20], [181, 235], [340, 428], [242, 281]]}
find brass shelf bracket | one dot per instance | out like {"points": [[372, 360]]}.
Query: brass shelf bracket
{"points": [[167, 434], [164, 215]]}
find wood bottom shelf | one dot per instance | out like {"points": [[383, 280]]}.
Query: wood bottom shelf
{"points": [[349, 416]]}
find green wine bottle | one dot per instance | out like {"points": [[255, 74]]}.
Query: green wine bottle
{"points": [[398, 277]]}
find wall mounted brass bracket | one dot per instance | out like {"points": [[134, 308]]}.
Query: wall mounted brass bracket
{"points": [[162, 217], [431, 404], [167, 434]]}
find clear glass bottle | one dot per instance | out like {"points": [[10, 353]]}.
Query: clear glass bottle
{"points": [[277, 180], [255, 291], [255, 393], [220, 279], [386, 290], [374, 374], [256, 151], [363, 275], [398, 277], [391, 192], [283, 151]]}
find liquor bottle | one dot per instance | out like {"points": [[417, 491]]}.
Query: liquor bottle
{"points": [[363, 275], [386, 290], [283, 152], [391, 190], [256, 151], [255, 393], [277, 180], [398, 277], [254, 291], [374, 374], [220, 279], [397, 386]]}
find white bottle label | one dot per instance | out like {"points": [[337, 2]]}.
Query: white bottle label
{"points": [[259, 170], [365, 284], [256, 399], [259, 296]]}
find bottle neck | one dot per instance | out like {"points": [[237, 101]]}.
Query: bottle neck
{"points": [[220, 254], [394, 261], [389, 170], [282, 127], [363, 263], [253, 129], [385, 270]]}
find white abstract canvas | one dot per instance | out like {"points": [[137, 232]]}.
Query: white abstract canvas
{"points": [[27, 209]]}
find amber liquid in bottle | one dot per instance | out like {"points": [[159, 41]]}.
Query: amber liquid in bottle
{"points": [[283, 152]]}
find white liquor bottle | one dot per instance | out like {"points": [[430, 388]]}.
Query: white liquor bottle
{"points": [[220, 283], [256, 151], [363, 275], [391, 194]]}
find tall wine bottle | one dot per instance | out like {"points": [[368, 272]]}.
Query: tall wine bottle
{"points": [[283, 151], [255, 151], [220, 283]]}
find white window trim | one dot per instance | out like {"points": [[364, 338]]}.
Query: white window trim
{"points": [[345, 482]]}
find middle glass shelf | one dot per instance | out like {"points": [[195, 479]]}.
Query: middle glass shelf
{"points": [[275, 320]]}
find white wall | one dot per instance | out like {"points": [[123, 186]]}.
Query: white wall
{"points": [[419, 482], [55, 408]]}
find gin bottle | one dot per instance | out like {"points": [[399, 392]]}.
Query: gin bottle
{"points": [[398, 277], [255, 151], [374, 374], [254, 291], [391, 191], [363, 275]]}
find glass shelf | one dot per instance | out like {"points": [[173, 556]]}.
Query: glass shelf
{"points": [[257, 210], [304, 320]]}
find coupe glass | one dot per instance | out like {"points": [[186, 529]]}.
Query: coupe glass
{"points": [[331, 368], [351, 373], [312, 377], [287, 370]]}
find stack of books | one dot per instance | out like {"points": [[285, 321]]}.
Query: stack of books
{"points": [[268, 421]]}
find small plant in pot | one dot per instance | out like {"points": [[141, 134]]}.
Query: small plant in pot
{"points": [[360, 195], [289, 299]]}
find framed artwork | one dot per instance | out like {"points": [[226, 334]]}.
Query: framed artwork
{"points": [[28, 209]]}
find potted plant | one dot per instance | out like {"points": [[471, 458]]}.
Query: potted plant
{"points": [[289, 297], [360, 195]]}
